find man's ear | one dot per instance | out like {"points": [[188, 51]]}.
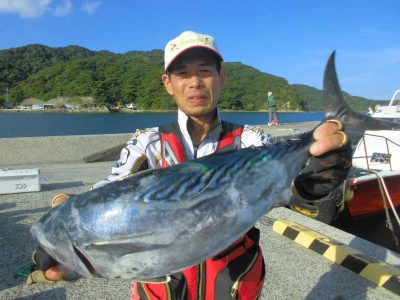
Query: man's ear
{"points": [[167, 84]]}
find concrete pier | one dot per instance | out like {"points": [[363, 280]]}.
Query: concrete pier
{"points": [[347, 268], [74, 148]]}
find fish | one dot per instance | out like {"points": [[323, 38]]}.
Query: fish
{"points": [[160, 221]]}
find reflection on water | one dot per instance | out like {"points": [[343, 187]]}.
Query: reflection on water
{"points": [[373, 228]]}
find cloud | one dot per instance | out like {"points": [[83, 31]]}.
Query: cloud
{"points": [[25, 8], [63, 9], [90, 7]]}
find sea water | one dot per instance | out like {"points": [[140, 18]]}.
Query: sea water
{"points": [[16, 124]]}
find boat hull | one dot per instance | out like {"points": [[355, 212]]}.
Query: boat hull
{"points": [[367, 197]]}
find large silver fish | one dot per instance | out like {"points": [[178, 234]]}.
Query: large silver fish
{"points": [[161, 221]]}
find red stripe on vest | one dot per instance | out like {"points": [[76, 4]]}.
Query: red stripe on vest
{"points": [[191, 281], [219, 264], [176, 146], [229, 138]]}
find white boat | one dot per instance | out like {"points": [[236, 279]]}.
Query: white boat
{"points": [[389, 112], [376, 166], [378, 150], [374, 177]]}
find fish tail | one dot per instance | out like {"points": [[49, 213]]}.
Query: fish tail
{"points": [[337, 108]]}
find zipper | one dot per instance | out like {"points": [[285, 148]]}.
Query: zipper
{"points": [[168, 291], [201, 281], [195, 147], [235, 286]]}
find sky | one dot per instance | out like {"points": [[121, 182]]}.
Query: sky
{"points": [[287, 38]]}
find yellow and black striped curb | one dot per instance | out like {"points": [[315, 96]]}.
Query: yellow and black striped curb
{"points": [[370, 268]]}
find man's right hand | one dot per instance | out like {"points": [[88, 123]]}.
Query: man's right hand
{"points": [[48, 269], [42, 260]]}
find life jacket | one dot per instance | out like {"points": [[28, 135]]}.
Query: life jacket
{"points": [[237, 272], [172, 149]]}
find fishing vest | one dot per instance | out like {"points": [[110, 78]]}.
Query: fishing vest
{"points": [[237, 272], [172, 149]]}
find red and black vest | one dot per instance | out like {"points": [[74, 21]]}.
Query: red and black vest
{"points": [[172, 149], [237, 272]]}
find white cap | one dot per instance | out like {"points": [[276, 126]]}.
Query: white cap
{"points": [[269, 94], [188, 40]]}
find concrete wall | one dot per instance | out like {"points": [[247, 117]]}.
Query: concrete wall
{"points": [[73, 148]]}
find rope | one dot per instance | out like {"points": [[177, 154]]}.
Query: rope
{"points": [[385, 196]]}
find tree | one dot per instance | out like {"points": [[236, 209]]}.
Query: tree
{"points": [[42, 72]]}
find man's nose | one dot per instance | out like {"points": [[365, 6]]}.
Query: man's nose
{"points": [[196, 81]]}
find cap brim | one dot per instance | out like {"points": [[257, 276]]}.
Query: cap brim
{"points": [[193, 47]]}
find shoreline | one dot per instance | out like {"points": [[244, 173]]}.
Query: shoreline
{"points": [[127, 110], [76, 111]]}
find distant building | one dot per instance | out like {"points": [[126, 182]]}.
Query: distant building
{"points": [[7, 105], [42, 106], [131, 106]]}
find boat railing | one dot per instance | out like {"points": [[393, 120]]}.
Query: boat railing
{"points": [[391, 103], [383, 158]]}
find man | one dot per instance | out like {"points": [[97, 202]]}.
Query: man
{"points": [[194, 76], [271, 104]]}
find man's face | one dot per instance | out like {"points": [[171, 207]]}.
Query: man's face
{"points": [[195, 83]]}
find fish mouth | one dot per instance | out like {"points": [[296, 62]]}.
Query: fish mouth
{"points": [[81, 264], [86, 262], [82, 258]]}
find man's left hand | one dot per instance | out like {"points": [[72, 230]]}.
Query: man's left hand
{"points": [[327, 138]]}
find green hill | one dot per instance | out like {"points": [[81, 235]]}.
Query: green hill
{"points": [[313, 99], [43, 72]]}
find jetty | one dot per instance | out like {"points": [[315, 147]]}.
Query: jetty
{"points": [[305, 259]]}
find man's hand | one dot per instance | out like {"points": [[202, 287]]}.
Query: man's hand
{"points": [[48, 269], [42, 260], [328, 136], [329, 165]]}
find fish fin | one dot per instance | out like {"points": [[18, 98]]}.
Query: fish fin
{"points": [[162, 279], [336, 107]]}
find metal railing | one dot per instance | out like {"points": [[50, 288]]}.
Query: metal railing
{"points": [[368, 157]]}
